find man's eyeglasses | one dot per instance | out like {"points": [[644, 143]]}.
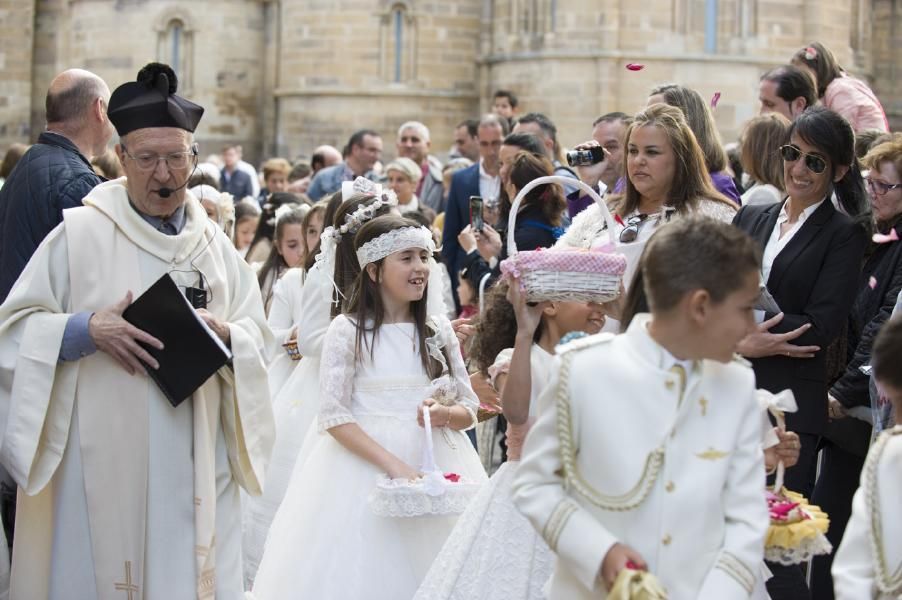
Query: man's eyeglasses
{"points": [[175, 161], [631, 231], [791, 153], [880, 188]]}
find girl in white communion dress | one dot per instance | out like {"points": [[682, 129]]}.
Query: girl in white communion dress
{"points": [[383, 364]]}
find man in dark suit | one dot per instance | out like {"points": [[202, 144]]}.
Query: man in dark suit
{"points": [[481, 179], [232, 179]]}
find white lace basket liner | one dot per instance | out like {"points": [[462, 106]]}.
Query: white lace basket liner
{"points": [[568, 275], [431, 494]]}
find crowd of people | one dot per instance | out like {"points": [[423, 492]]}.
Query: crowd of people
{"points": [[376, 342]]}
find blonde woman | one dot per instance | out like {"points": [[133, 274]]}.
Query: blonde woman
{"points": [[761, 160]]}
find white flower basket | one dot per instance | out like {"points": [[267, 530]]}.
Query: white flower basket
{"points": [[431, 494], [569, 275]]}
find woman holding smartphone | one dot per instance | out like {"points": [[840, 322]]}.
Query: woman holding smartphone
{"points": [[812, 255], [538, 221]]}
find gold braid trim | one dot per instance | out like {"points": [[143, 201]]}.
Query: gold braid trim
{"points": [[572, 477], [890, 584], [735, 568], [551, 533]]}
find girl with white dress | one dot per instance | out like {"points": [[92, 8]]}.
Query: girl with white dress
{"points": [[381, 367], [493, 552], [297, 401]]}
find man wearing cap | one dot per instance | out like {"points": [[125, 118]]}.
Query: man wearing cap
{"points": [[126, 496]]}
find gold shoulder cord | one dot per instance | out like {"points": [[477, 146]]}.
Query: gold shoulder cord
{"points": [[572, 477], [890, 584]]}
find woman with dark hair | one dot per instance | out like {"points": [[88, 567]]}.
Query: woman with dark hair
{"points": [[852, 98], [811, 253], [701, 122], [847, 438], [539, 218]]}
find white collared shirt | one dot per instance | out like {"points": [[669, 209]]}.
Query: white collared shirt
{"points": [[489, 185], [776, 243]]}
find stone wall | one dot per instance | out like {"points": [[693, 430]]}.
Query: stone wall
{"points": [[16, 43], [282, 76]]}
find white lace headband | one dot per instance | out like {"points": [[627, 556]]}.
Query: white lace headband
{"points": [[395, 241], [356, 219]]}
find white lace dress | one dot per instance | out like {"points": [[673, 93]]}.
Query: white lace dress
{"points": [[325, 541], [494, 553], [294, 407]]}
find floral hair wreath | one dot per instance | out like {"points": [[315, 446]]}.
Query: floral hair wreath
{"points": [[355, 220], [393, 241], [810, 53]]}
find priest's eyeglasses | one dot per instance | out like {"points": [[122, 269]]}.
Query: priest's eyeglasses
{"points": [[815, 163], [176, 161]]}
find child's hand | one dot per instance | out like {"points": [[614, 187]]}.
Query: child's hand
{"points": [[404, 471], [616, 560], [439, 414], [462, 329], [528, 317], [789, 448]]}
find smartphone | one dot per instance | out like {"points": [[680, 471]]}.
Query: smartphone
{"points": [[476, 212]]}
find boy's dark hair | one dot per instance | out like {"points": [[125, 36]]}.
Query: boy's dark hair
{"points": [[886, 352], [692, 253], [511, 98]]}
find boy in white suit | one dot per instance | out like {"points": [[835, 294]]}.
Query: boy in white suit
{"points": [[868, 564], [649, 451]]}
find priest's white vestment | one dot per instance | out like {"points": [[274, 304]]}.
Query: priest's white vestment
{"points": [[122, 496]]}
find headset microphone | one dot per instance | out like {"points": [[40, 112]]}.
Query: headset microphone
{"points": [[165, 192]]}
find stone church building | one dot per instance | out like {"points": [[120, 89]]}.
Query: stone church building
{"points": [[281, 76]]}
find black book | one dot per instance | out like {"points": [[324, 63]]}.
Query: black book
{"points": [[191, 352]]}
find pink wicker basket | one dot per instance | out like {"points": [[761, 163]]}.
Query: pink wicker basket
{"points": [[565, 274]]}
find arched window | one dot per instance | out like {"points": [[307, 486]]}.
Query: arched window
{"points": [[175, 38], [398, 43], [397, 19]]}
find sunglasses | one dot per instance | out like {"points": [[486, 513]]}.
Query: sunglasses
{"points": [[815, 164], [880, 188], [631, 231]]}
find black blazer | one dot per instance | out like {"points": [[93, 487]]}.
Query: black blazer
{"points": [[813, 280]]}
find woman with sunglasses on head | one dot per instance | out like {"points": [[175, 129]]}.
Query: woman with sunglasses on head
{"points": [[847, 438], [812, 251]]}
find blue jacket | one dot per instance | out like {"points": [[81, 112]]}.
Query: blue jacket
{"points": [[464, 183], [239, 184], [51, 176]]}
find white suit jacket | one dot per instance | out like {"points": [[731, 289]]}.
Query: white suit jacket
{"points": [[623, 453], [868, 564]]}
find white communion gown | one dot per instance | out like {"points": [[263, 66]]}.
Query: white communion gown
{"points": [[294, 409], [325, 541], [494, 553]]}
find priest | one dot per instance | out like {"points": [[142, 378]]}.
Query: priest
{"points": [[123, 496]]}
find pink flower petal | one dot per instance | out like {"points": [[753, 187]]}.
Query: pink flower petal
{"points": [[880, 238], [635, 66], [715, 99], [872, 282]]}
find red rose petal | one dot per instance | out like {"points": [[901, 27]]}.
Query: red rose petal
{"points": [[635, 66], [452, 477], [715, 99]]}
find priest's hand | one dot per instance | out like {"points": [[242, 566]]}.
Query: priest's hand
{"points": [[218, 327], [120, 339]]}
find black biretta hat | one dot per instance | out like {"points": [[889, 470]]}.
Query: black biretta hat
{"points": [[151, 102]]}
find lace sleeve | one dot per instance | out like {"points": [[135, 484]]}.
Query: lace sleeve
{"points": [[336, 375], [466, 397]]}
